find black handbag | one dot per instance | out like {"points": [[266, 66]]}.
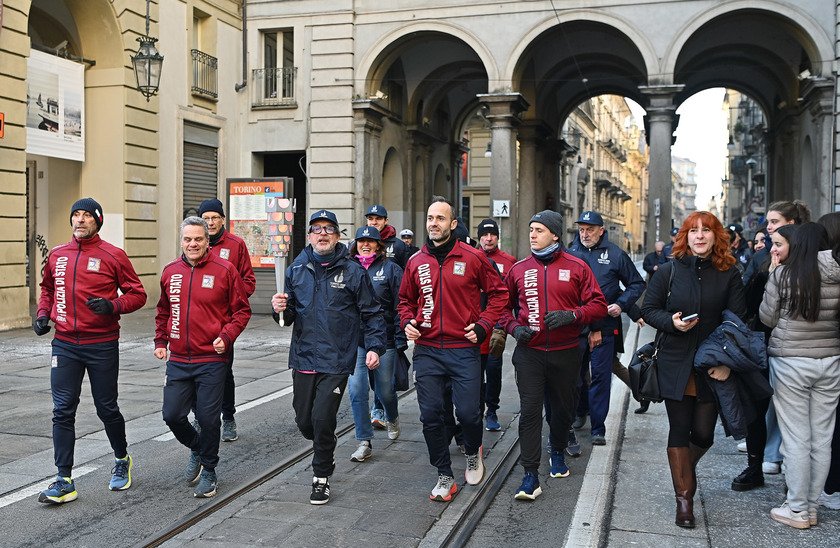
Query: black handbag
{"points": [[644, 381]]}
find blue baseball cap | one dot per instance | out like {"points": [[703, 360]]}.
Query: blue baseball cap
{"points": [[675, 231], [377, 209], [591, 218], [324, 215], [368, 233]]}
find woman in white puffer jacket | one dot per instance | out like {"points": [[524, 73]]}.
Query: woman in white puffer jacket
{"points": [[801, 304]]}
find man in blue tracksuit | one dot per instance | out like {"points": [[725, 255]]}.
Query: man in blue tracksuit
{"points": [[611, 267]]}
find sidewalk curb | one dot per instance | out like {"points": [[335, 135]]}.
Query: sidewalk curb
{"points": [[591, 515]]}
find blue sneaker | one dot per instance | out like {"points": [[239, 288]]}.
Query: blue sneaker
{"points": [[530, 488], [206, 485], [60, 491], [121, 478], [193, 469], [377, 418], [492, 422], [558, 465], [573, 448]]}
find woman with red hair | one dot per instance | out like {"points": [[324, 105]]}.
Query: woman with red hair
{"points": [[705, 283]]}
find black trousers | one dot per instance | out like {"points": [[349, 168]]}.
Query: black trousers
{"points": [[70, 361], [541, 374], [196, 386], [316, 399]]}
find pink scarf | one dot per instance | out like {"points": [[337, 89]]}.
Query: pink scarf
{"points": [[366, 260]]}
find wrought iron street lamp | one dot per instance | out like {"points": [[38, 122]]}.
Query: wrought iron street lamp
{"points": [[147, 63]]}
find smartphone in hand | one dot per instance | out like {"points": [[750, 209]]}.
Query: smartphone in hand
{"points": [[689, 317]]}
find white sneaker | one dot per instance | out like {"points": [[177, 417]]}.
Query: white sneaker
{"points": [[830, 501], [475, 468], [771, 468], [362, 453], [812, 517], [393, 428], [445, 489], [742, 447], [783, 514]]}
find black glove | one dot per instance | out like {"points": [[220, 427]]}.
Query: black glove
{"points": [[558, 318], [497, 342], [523, 334], [480, 333], [41, 326], [100, 306]]}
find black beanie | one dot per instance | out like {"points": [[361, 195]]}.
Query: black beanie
{"points": [[488, 226], [91, 206], [552, 220], [211, 205]]}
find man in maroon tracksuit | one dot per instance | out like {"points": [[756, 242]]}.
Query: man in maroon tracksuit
{"points": [[201, 311], [552, 294], [232, 248], [440, 309], [79, 293], [494, 346]]}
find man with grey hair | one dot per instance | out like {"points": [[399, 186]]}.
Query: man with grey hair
{"points": [[329, 301], [203, 308]]}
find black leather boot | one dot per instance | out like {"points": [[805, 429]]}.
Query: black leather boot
{"points": [[751, 477]]}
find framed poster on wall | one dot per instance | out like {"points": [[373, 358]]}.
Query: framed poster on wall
{"points": [[247, 217]]}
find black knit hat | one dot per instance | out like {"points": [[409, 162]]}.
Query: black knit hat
{"points": [[552, 220], [211, 205], [91, 206], [488, 226]]}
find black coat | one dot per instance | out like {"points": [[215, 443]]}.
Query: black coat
{"points": [[699, 288], [734, 345]]}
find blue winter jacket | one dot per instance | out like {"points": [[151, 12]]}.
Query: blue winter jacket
{"points": [[324, 310], [386, 277], [734, 345], [611, 265]]}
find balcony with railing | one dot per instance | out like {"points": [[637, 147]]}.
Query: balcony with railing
{"points": [[274, 87], [205, 75]]}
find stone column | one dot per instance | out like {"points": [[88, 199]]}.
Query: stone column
{"points": [[532, 134], [819, 192], [367, 125], [660, 115], [504, 116]]}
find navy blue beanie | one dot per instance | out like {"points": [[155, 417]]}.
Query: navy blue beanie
{"points": [[211, 205], [91, 206]]}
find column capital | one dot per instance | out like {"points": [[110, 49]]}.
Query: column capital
{"points": [[505, 109], [368, 115], [665, 90], [818, 95], [534, 130]]}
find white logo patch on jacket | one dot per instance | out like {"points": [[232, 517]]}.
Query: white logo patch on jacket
{"points": [[224, 254], [459, 269], [338, 281], [93, 264], [207, 281], [605, 257]]}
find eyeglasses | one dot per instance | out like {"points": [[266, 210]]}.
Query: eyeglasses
{"points": [[317, 229], [213, 219]]}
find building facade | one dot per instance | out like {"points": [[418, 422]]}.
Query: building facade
{"points": [[363, 101]]}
